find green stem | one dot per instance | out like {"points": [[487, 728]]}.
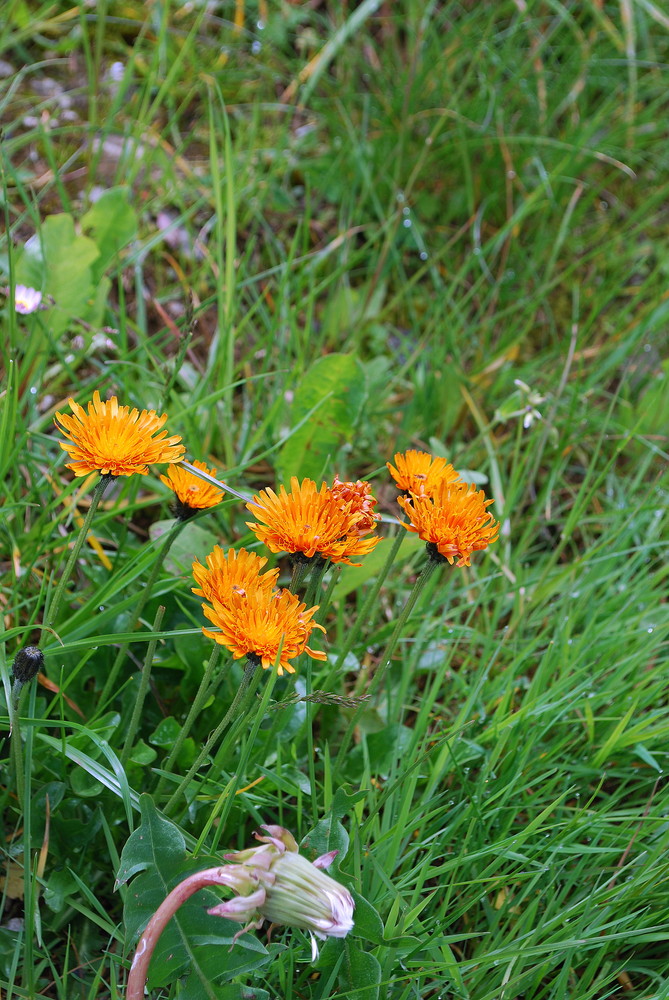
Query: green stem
{"points": [[248, 746], [250, 672], [54, 607], [384, 662], [143, 688], [296, 578], [363, 618], [16, 748], [143, 597], [200, 698]]}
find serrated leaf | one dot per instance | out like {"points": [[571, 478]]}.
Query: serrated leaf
{"points": [[326, 407], [155, 837], [327, 835]]}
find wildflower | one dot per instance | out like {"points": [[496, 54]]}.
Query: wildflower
{"points": [[420, 473], [238, 572], [285, 888], [115, 440], [273, 882], [26, 300], [191, 493], [258, 625], [454, 522], [359, 495], [309, 522]]}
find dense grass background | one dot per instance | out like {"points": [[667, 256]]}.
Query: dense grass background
{"points": [[452, 196]]}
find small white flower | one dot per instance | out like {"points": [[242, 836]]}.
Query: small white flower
{"points": [[26, 300]]}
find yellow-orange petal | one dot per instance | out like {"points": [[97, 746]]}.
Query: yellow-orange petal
{"points": [[455, 520], [420, 473], [234, 572], [259, 625], [307, 519], [192, 494], [115, 440], [358, 496]]}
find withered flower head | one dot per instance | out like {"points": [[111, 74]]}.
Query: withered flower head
{"points": [[454, 522], [191, 494], [275, 882], [115, 440], [420, 473], [258, 625], [309, 521]]}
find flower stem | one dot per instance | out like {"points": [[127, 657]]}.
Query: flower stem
{"points": [[142, 598], [384, 662], [156, 925], [363, 618], [143, 688], [16, 748], [252, 671], [200, 698], [54, 606]]}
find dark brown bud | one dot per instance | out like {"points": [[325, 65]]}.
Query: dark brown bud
{"points": [[27, 664]]}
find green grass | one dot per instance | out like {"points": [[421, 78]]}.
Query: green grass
{"points": [[453, 196]]}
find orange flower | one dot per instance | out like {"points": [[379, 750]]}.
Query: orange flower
{"points": [[192, 494], [309, 521], [238, 572], [359, 495], [115, 440], [454, 522], [258, 624], [420, 473]]}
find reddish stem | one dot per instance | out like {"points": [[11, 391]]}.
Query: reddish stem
{"points": [[156, 925]]}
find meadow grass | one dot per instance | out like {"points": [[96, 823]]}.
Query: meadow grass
{"points": [[328, 233]]}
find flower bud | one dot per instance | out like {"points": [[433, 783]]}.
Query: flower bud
{"points": [[285, 888], [27, 664]]}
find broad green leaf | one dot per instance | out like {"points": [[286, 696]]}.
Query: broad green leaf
{"points": [[327, 835], [112, 223], [192, 542], [59, 262], [353, 577], [367, 923], [360, 973], [155, 853], [325, 411]]}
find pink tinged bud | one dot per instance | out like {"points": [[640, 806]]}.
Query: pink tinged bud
{"points": [[304, 896], [242, 908], [325, 860]]}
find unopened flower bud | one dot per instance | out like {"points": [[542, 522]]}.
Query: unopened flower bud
{"points": [[27, 664], [293, 891]]}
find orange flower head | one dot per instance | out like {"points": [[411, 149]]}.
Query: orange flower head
{"points": [[236, 572], [191, 494], [454, 523], [115, 440], [420, 473], [309, 521], [359, 496], [258, 625]]}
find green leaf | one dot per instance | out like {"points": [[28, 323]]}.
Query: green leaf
{"points": [[59, 262], [193, 939], [360, 973], [353, 577], [326, 407], [327, 835], [192, 542], [154, 834], [367, 923], [344, 800], [112, 223]]}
